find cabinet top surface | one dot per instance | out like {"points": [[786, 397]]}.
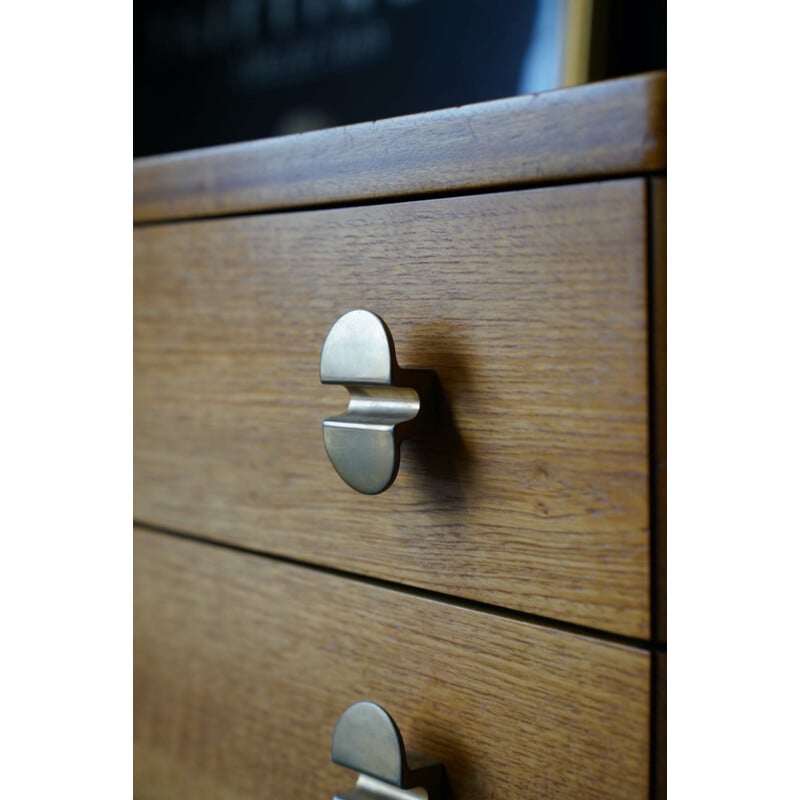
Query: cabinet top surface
{"points": [[597, 130]]}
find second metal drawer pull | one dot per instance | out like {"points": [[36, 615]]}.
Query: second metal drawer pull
{"points": [[387, 404], [367, 740]]}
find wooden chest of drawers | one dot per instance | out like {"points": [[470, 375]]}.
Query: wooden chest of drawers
{"points": [[504, 599]]}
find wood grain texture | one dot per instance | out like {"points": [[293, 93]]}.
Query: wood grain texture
{"points": [[531, 307], [658, 367], [242, 666], [602, 129]]}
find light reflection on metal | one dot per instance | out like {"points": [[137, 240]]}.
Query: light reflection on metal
{"points": [[367, 739], [387, 404]]}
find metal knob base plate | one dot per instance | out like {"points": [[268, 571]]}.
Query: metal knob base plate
{"points": [[368, 740]]}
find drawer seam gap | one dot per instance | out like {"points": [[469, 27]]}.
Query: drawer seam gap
{"points": [[461, 602]]}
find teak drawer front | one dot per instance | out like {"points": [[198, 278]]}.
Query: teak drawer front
{"points": [[531, 307], [242, 666]]}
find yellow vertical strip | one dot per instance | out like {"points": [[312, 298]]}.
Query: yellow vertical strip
{"points": [[577, 42]]}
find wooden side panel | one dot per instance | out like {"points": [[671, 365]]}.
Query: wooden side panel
{"points": [[610, 128], [532, 308], [659, 734], [243, 665], [658, 405]]}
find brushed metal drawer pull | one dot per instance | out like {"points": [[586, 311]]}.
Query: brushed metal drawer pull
{"points": [[387, 404], [368, 740]]}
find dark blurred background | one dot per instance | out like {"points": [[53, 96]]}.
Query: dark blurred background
{"points": [[210, 72]]}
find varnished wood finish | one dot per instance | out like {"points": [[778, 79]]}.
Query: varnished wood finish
{"points": [[242, 667], [531, 307], [603, 129], [658, 368]]}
